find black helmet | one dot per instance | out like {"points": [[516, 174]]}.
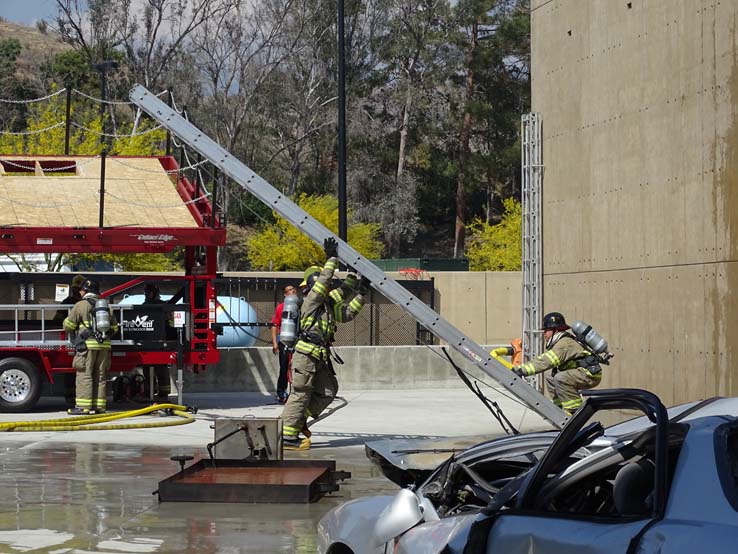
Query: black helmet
{"points": [[554, 321], [91, 286]]}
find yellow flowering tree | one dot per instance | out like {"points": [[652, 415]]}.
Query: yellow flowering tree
{"points": [[45, 133], [280, 246], [497, 247]]}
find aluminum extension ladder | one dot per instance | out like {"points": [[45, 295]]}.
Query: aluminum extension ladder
{"points": [[261, 189]]}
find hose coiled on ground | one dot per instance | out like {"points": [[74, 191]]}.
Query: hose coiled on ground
{"points": [[93, 422]]}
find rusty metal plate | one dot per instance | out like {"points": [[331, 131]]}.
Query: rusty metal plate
{"points": [[267, 481]]}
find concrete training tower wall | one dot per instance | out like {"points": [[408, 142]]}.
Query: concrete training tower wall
{"points": [[640, 132]]}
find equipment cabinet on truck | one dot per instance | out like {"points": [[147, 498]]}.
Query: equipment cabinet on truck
{"points": [[33, 347]]}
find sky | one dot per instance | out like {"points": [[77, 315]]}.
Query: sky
{"points": [[27, 12]]}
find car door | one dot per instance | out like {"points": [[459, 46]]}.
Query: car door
{"points": [[528, 527], [549, 534]]}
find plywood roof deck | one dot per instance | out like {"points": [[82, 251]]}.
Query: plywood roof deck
{"points": [[138, 193]]}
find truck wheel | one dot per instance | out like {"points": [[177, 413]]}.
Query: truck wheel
{"points": [[20, 385]]}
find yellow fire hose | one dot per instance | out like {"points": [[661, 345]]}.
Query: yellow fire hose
{"points": [[92, 422], [497, 354]]}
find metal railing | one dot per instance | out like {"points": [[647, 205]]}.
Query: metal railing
{"points": [[28, 325]]}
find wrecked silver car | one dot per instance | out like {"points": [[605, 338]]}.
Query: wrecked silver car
{"points": [[666, 482]]}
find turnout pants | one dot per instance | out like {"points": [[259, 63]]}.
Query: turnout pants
{"points": [[92, 368], [314, 386], [163, 384], [565, 386]]}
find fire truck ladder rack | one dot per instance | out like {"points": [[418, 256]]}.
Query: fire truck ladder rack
{"points": [[392, 290]]}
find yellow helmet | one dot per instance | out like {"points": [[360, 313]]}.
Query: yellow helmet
{"points": [[313, 269]]}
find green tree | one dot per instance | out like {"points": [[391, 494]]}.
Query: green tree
{"points": [[72, 68], [10, 48], [489, 36], [11, 85], [280, 246], [497, 247]]}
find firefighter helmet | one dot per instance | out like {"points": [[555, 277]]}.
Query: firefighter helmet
{"points": [[309, 272], [554, 321], [91, 286]]}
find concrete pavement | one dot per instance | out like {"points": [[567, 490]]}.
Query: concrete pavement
{"points": [[91, 491]]}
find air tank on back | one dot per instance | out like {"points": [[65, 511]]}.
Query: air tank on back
{"points": [[102, 315], [590, 337], [228, 311], [290, 321]]}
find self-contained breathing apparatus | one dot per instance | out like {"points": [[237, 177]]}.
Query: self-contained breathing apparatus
{"points": [[290, 324], [99, 324], [590, 339]]}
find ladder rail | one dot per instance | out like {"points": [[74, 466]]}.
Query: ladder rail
{"points": [[380, 281]]}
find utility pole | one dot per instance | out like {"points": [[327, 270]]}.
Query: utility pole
{"points": [[342, 223]]}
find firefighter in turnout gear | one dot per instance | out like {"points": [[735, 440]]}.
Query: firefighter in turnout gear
{"points": [[571, 364], [92, 359], [314, 384]]}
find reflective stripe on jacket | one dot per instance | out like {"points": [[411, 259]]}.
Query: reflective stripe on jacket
{"points": [[562, 356], [322, 309]]}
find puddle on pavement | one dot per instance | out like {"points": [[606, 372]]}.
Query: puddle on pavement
{"points": [[66, 498]]}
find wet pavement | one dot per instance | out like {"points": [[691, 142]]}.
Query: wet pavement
{"points": [[91, 491]]}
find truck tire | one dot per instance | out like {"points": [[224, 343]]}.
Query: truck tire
{"points": [[20, 385]]}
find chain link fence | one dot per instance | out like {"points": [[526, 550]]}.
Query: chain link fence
{"points": [[379, 323]]}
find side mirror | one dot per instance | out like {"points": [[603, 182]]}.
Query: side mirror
{"points": [[402, 514]]}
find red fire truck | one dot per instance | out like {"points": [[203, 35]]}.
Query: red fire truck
{"points": [[33, 348]]}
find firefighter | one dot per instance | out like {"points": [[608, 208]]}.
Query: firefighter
{"points": [[161, 372], [92, 359], [74, 296], [567, 359], [314, 384]]}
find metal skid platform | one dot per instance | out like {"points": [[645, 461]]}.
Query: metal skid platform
{"points": [[261, 481]]}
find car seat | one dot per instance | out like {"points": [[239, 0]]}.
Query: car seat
{"points": [[633, 488]]}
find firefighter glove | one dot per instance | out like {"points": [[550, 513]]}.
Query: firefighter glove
{"points": [[331, 247], [364, 285], [519, 372]]}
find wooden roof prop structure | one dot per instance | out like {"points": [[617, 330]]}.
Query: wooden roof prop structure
{"points": [[55, 204]]}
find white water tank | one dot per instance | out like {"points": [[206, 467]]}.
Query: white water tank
{"points": [[229, 310]]}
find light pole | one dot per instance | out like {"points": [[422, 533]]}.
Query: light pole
{"points": [[103, 68], [342, 223]]}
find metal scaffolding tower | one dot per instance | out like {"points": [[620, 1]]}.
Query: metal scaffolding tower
{"points": [[532, 179]]}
